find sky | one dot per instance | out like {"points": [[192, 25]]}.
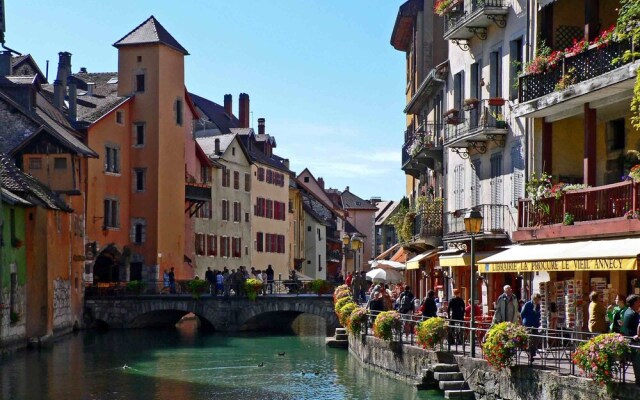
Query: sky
{"points": [[321, 72]]}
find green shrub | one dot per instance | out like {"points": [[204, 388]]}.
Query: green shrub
{"points": [[196, 287], [357, 319], [431, 332], [345, 313], [252, 287], [387, 323], [135, 287]]}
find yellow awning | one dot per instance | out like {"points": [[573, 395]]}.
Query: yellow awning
{"points": [[460, 260], [414, 263], [592, 255]]}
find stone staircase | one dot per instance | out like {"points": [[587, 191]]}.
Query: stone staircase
{"points": [[339, 340], [451, 381]]}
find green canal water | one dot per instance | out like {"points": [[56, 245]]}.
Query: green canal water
{"points": [[188, 365]]}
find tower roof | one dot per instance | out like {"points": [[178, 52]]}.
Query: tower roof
{"points": [[150, 31]]}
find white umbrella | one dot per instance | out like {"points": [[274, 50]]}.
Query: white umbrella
{"points": [[385, 275], [388, 264]]}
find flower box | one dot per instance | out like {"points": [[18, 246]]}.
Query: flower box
{"points": [[471, 104], [451, 113], [453, 121], [496, 101]]}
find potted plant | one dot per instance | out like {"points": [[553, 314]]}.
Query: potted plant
{"points": [[441, 6], [196, 287], [431, 332], [341, 302], [319, 286], [341, 292], [568, 219], [502, 342], [496, 101], [135, 287], [387, 323], [345, 313], [453, 112], [252, 287], [471, 104], [357, 320], [599, 357]]}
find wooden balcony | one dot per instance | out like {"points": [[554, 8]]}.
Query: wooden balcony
{"points": [[482, 124], [472, 18], [197, 192], [601, 211], [593, 63]]}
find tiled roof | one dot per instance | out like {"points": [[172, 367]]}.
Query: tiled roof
{"points": [[258, 156], [385, 209], [216, 113], [27, 187], [316, 209], [17, 61], [150, 31], [22, 80], [208, 144], [13, 199], [351, 201], [104, 99]]}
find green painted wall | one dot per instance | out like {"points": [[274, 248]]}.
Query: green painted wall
{"points": [[8, 253]]}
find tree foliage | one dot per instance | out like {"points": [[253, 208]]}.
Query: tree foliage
{"points": [[628, 28]]}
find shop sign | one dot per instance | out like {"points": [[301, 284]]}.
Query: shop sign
{"points": [[594, 264]]}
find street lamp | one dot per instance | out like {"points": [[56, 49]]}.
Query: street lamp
{"points": [[355, 243], [473, 225]]}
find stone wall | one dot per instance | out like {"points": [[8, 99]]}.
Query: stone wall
{"points": [[412, 364], [13, 334], [62, 316]]}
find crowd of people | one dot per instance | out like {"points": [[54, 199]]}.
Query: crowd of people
{"points": [[229, 282]]}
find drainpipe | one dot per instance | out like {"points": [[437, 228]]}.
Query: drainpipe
{"points": [[528, 123]]}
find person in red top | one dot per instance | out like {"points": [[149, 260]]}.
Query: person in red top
{"points": [[349, 279], [477, 312]]}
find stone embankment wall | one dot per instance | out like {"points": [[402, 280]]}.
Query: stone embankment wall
{"points": [[412, 365]]}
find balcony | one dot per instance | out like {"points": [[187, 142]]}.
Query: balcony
{"points": [[572, 81], [422, 149], [496, 222], [427, 224], [197, 192], [472, 18], [607, 210], [482, 123]]}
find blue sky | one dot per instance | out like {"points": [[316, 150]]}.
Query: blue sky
{"points": [[321, 72]]}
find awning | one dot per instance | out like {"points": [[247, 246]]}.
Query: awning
{"points": [[592, 255], [387, 264], [400, 255], [414, 263], [460, 260], [387, 252], [542, 3]]}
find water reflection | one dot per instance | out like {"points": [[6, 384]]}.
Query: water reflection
{"points": [[185, 364]]}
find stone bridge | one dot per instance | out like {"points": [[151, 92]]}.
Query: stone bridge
{"points": [[217, 313]]}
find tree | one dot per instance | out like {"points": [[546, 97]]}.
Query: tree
{"points": [[628, 28]]}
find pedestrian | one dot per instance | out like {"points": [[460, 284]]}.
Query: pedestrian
{"points": [[405, 301], [597, 313], [349, 279], [208, 276], [270, 275], [172, 281], [531, 320], [455, 313], [631, 329], [477, 311], [615, 313], [220, 282], [227, 282], [430, 308], [165, 281], [506, 307]]}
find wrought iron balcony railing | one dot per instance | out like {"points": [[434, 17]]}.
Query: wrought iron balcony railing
{"points": [[571, 70], [471, 17], [481, 121], [496, 220], [428, 220]]}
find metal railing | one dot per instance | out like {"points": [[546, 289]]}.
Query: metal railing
{"points": [[428, 221], [554, 347], [496, 219], [462, 13], [596, 61], [590, 204], [181, 288], [474, 118]]}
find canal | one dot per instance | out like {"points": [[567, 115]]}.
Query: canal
{"points": [[186, 364]]}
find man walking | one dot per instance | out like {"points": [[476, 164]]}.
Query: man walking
{"points": [[208, 276], [506, 307], [172, 281], [455, 313]]}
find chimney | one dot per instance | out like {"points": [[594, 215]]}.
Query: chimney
{"points": [[260, 126], [90, 86], [83, 70], [73, 101], [5, 63], [217, 146], [228, 105], [244, 110], [64, 70], [58, 95], [321, 183]]}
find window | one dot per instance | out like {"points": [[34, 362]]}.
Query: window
{"points": [[140, 82], [319, 235], [269, 176], [226, 177], [120, 117], [112, 159], [476, 187], [35, 163], [60, 163], [225, 210], [236, 180], [139, 230], [458, 90], [306, 179], [269, 213], [515, 66], [233, 151], [139, 179], [616, 135], [200, 245], [517, 177], [246, 217], [205, 174], [309, 228], [179, 112], [261, 174], [247, 182], [111, 213], [237, 214], [212, 245], [495, 73], [139, 58], [236, 247], [458, 186], [224, 246], [205, 211], [259, 242], [138, 134]]}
